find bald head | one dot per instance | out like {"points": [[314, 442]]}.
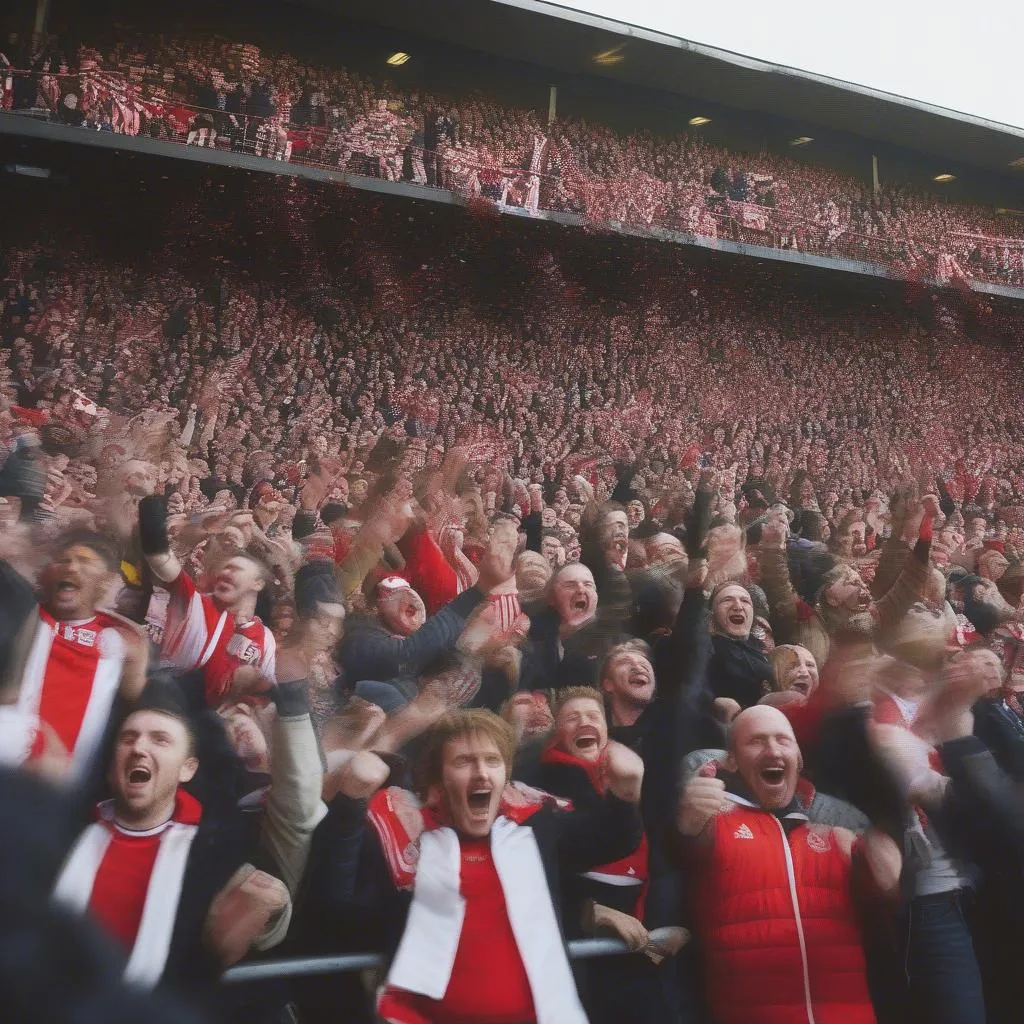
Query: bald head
{"points": [[764, 752]]}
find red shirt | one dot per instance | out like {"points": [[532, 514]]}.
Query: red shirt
{"points": [[488, 984], [200, 634], [122, 881], [74, 680]]}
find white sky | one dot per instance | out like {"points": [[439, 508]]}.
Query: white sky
{"points": [[967, 55]]}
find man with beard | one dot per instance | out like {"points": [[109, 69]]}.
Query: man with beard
{"points": [[849, 542], [164, 880], [777, 909], [72, 661], [467, 884], [844, 609]]}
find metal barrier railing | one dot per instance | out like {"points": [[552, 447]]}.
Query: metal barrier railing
{"points": [[294, 967]]}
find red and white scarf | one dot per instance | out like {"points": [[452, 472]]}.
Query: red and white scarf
{"points": [[148, 956], [400, 820], [426, 955]]}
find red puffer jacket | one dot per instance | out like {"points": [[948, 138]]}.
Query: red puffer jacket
{"points": [[778, 925]]}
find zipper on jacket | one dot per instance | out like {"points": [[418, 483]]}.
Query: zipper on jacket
{"points": [[791, 876]]}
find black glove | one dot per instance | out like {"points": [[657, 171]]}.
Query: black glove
{"points": [[153, 526], [22, 478]]}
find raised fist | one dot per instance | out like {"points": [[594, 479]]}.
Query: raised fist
{"points": [[624, 771], [701, 799]]}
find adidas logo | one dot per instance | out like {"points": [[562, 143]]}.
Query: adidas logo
{"points": [[743, 832]]}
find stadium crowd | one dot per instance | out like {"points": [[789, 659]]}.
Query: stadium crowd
{"points": [[217, 92], [416, 582]]}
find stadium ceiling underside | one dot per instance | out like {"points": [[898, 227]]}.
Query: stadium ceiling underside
{"points": [[27, 145], [566, 41]]}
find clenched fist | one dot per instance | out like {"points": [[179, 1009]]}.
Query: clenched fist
{"points": [[624, 771], [701, 800]]}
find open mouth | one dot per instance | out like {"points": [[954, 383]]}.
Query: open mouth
{"points": [[66, 587], [802, 686], [580, 604], [737, 619], [139, 775], [864, 602], [479, 800], [638, 679], [587, 741], [773, 776]]}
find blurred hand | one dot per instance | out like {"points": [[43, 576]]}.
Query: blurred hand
{"points": [[498, 564], [624, 771], [248, 680], [780, 697], [702, 798], [241, 912], [775, 532], [623, 926], [725, 709], [884, 859]]}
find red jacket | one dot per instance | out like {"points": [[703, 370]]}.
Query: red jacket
{"points": [[778, 925]]}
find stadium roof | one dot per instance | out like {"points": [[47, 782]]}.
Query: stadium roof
{"points": [[567, 41]]}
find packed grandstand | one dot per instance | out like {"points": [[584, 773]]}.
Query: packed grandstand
{"points": [[403, 582], [231, 94]]}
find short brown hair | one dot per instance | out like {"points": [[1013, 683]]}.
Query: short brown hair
{"points": [[99, 544], [568, 693], [454, 726]]}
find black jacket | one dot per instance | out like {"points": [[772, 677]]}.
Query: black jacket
{"points": [[369, 651], [350, 891], [985, 808], [545, 668], [572, 783], [738, 669], [1001, 729]]}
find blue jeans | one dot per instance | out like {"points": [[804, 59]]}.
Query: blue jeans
{"points": [[945, 982]]}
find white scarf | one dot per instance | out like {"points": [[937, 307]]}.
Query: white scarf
{"points": [[426, 954], [153, 940]]}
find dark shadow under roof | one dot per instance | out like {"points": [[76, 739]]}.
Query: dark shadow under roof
{"points": [[566, 42]]}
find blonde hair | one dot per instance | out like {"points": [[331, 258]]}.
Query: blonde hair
{"points": [[568, 693], [783, 658]]}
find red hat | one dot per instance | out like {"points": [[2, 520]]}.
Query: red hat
{"points": [[391, 585]]}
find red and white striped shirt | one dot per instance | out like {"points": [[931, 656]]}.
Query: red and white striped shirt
{"points": [[199, 634], [70, 680]]}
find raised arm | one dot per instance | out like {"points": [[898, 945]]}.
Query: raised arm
{"points": [[614, 829], [778, 587], [293, 808], [911, 583], [153, 538]]}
